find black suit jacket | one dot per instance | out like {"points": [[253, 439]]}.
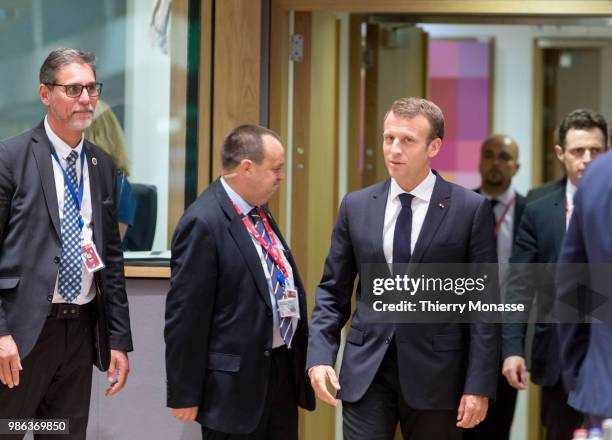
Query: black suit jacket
{"points": [[538, 241], [438, 363], [545, 189], [219, 319], [31, 244]]}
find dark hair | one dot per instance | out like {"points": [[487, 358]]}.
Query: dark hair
{"points": [[62, 57], [244, 142], [582, 119], [411, 107]]}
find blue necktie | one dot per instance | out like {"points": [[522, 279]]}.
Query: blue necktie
{"points": [[286, 329], [70, 270], [403, 230]]}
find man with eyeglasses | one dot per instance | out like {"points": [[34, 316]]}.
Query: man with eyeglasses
{"points": [[63, 304]]}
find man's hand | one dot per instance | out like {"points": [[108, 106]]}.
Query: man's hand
{"points": [[515, 371], [10, 363], [319, 375], [185, 414], [472, 410], [117, 371]]}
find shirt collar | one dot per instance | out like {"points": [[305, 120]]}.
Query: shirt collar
{"points": [[570, 190], [504, 198], [235, 197], [422, 191], [61, 147]]}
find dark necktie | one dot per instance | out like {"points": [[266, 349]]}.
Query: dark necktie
{"points": [[494, 203], [70, 270], [403, 230], [286, 329]]}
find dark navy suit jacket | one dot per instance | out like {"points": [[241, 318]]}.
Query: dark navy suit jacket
{"points": [[218, 329], [438, 363], [538, 242], [586, 354]]}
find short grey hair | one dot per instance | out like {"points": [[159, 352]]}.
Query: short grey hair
{"points": [[244, 142], [63, 57]]}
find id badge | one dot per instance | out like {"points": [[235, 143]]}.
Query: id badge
{"points": [[91, 259], [289, 306]]}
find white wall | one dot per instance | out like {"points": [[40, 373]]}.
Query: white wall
{"points": [[513, 77]]}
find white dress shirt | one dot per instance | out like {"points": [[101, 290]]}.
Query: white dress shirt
{"points": [[420, 203], [570, 191], [245, 207], [63, 150]]}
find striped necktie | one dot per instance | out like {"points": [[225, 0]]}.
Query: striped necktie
{"points": [[286, 329]]}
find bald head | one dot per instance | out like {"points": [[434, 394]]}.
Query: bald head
{"points": [[498, 163]]}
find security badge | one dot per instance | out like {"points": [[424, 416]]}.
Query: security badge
{"points": [[288, 305], [90, 257]]}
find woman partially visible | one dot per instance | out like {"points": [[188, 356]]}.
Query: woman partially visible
{"points": [[105, 131]]}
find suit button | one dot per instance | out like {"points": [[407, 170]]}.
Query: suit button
{"points": [[49, 298], [388, 340], [267, 353], [56, 260]]}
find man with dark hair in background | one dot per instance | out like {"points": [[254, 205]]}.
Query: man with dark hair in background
{"points": [[582, 136], [434, 379], [236, 320], [61, 262], [498, 165]]}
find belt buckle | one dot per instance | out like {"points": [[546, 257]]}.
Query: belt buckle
{"points": [[67, 311]]}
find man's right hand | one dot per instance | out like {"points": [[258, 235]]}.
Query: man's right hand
{"points": [[319, 375], [185, 414], [515, 371], [10, 363]]}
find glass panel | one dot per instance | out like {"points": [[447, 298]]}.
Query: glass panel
{"points": [[134, 112]]}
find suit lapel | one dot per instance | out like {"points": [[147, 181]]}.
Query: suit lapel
{"points": [[376, 218], [95, 195], [558, 219], [42, 155], [243, 240], [439, 205]]}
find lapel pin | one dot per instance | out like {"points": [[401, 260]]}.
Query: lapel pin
{"points": [[94, 161], [441, 205]]}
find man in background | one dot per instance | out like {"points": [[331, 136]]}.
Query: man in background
{"points": [[582, 136], [498, 165]]}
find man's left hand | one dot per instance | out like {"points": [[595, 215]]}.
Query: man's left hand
{"points": [[117, 371], [472, 410]]}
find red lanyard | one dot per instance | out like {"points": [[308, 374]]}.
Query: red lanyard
{"points": [[503, 216], [273, 251]]}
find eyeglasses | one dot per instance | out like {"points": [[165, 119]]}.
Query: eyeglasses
{"points": [[76, 90]]}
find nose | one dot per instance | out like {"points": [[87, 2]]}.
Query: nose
{"points": [[84, 98], [587, 156], [395, 148]]}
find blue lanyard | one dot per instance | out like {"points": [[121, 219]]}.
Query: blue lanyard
{"points": [[78, 199]]}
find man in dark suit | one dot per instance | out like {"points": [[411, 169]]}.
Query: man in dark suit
{"points": [[586, 358], [498, 165], [57, 210], [236, 323], [433, 378], [582, 136]]}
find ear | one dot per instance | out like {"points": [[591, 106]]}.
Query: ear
{"points": [[434, 148], [518, 166], [43, 94], [246, 165], [559, 152]]}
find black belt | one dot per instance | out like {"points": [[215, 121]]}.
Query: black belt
{"points": [[69, 311]]}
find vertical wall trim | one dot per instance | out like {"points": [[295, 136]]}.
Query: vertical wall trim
{"points": [[264, 77]]}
